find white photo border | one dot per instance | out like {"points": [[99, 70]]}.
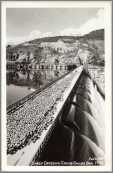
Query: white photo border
{"points": [[107, 5]]}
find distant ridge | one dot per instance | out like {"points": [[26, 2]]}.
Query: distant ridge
{"points": [[97, 34]]}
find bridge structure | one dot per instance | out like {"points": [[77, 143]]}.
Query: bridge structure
{"points": [[63, 123]]}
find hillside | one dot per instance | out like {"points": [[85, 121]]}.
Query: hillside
{"points": [[97, 35], [94, 41]]}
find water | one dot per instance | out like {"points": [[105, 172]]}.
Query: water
{"points": [[98, 73], [22, 83]]}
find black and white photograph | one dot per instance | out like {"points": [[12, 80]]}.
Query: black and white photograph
{"points": [[56, 85]]}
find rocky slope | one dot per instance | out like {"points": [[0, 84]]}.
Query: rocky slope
{"points": [[93, 41]]}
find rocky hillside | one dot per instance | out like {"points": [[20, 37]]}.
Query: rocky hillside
{"points": [[93, 40], [97, 34]]}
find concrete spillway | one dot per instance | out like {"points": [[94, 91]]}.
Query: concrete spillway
{"points": [[62, 123], [79, 134], [28, 127]]}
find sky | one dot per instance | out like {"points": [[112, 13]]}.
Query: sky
{"points": [[23, 24]]}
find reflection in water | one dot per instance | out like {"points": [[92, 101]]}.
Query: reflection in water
{"points": [[22, 83], [97, 72]]}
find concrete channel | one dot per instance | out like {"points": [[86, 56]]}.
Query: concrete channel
{"points": [[79, 133], [76, 131]]}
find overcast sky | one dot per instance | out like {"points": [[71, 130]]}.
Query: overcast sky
{"points": [[28, 23]]}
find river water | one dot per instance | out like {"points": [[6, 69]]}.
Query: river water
{"points": [[22, 83], [97, 72]]}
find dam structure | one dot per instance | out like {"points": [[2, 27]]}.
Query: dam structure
{"points": [[64, 123]]}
